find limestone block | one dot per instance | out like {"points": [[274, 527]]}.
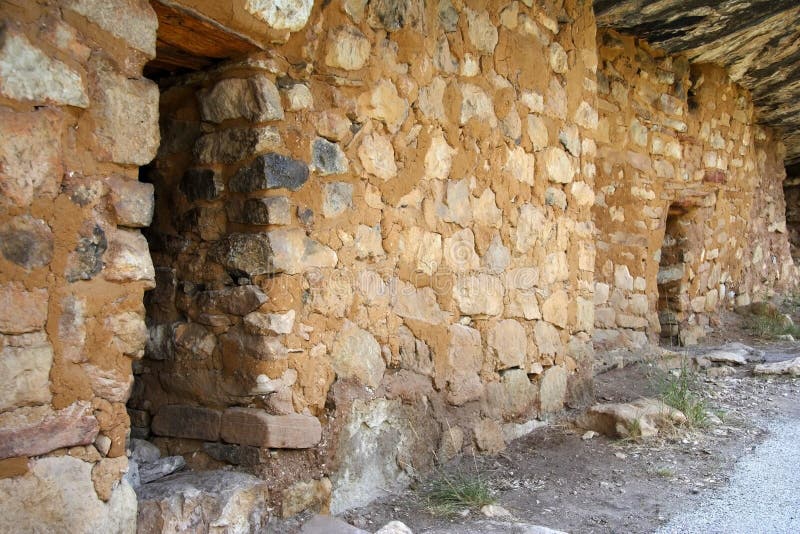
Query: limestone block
{"points": [[555, 308], [570, 139], [533, 229], [458, 208], [289, 15], [26, 241], [459, 252], [236, 144], [111, 384], [27, 73], [270, 171], [26, 372], [485, 211], [557, 165], [333, 125], [348, 48], [508, 343], [30, 155], [255, 99], [33, 431], [537, 132], [132, 201], [420, 249], [192, 422], [128, 258], [558, 58], [239, 300], [616, 420], [479, 294], [520, 165], [552, 389], [133, 22], [554, 196], [13, 298], [338, 198], [204, 501], [368, 242], [414, 354], [418, 303], [125, 112], [475, 103], [489, 436], [586, 116], [305, 495], [521, 290], [58, 495], [355, 354], [622, 278], [299, 97], [431, 100], [269, 323], [497, 257], [585, 315], [555, 268], [464, 362], [384, 104], [481, 32], [377, 156], [294, 252], [327, 157], [547, 338], [251, 426]]}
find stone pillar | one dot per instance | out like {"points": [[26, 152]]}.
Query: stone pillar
{"points": [[76, 121]]}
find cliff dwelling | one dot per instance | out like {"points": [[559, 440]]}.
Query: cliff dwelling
{"points": [[307, 251]]}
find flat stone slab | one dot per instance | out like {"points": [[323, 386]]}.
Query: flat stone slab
{"points": [[325, 524], [787, 367], [251, 426], [191, 422]]}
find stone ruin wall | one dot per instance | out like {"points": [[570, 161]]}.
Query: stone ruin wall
{"points": [[681, 135], [375, 234], [76, 121], [381, 233]]}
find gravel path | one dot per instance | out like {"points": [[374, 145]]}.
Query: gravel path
{"points": [[763, 494]]}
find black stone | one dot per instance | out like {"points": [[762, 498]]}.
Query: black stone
{"points": [[200, 184], [234, 454], [86, 261], [256, 211], [270, 171], [26, 241]]}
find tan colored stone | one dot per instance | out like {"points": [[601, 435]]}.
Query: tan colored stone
{"points": [[439, 158], [552, 389], [557, 165], [555, 308], [251, 426], [255, 98], [355, 354], [479, 294], [13, 298], [421, 249], [128, 258], [34, 431], [547, 338], [482, 33], [26, 372], [384, 104], [520, 165], [377, 156], [348, 48], [489, 436], [459, 252], [509, 344]]}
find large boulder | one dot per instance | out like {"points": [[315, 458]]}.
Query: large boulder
{"points": [[207, 501], [641, 418], [787, 367]]}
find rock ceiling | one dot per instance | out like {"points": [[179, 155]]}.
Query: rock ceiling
{"points": [[757, 40]]}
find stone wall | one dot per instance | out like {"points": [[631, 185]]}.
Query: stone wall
{"points": [[76, 121], [689, 206], [380, 234]]}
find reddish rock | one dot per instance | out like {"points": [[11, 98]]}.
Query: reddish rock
{"points": [[14, 297], [39, 430], [250, 426], [179, 421]]}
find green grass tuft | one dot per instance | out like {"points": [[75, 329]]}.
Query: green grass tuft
{"points": [[449, 494], [680, 392], [771, 326]]}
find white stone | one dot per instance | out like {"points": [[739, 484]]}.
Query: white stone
{"points": [[497, 256], [299, 97], [439, 158], [537, 132], [509, 344], [475, 103], [485, 211], [482, 33], [355, 354], [377, 156], [459, 252], [27, 73], [421, 249], [368, 242], [520, 165], [480, 294], [458, 208], [384, 104], [553, 389], [289, 15], [558, 58], [558, 165], [293, 252], [348, 48]]}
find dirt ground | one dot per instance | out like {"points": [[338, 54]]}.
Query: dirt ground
{"points": [[556, 479]]}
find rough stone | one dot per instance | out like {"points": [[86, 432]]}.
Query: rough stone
{"points": [[255, 99], [294, 252], [327, 158], [236, 144], [333, 125], [377, 156], [418, 303], [14, 297], [482, 33], [204, 501], [509, 344], [558, 165], [520, 165], [132, 201], [305, 495], [338, 198], [110, 384], [126, 118], [464, 361], [459, 252], [192, 422], [160, 468], [86, 261], [247, 253], [553, 389], [788, 367], [251, 426], [489, 436], [299, 97], [619, 420], [27, 375], [26, 241], [480, 294], [106, 474], [355, 354], [270, 171], [30, 156], [266, 323], [475, 103], [133, 22], [128, 258], [28, 74], [239, 300], [348, 48], [62, 486], [555, 308], [439, 158], [33, 431], [384, 104]]}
